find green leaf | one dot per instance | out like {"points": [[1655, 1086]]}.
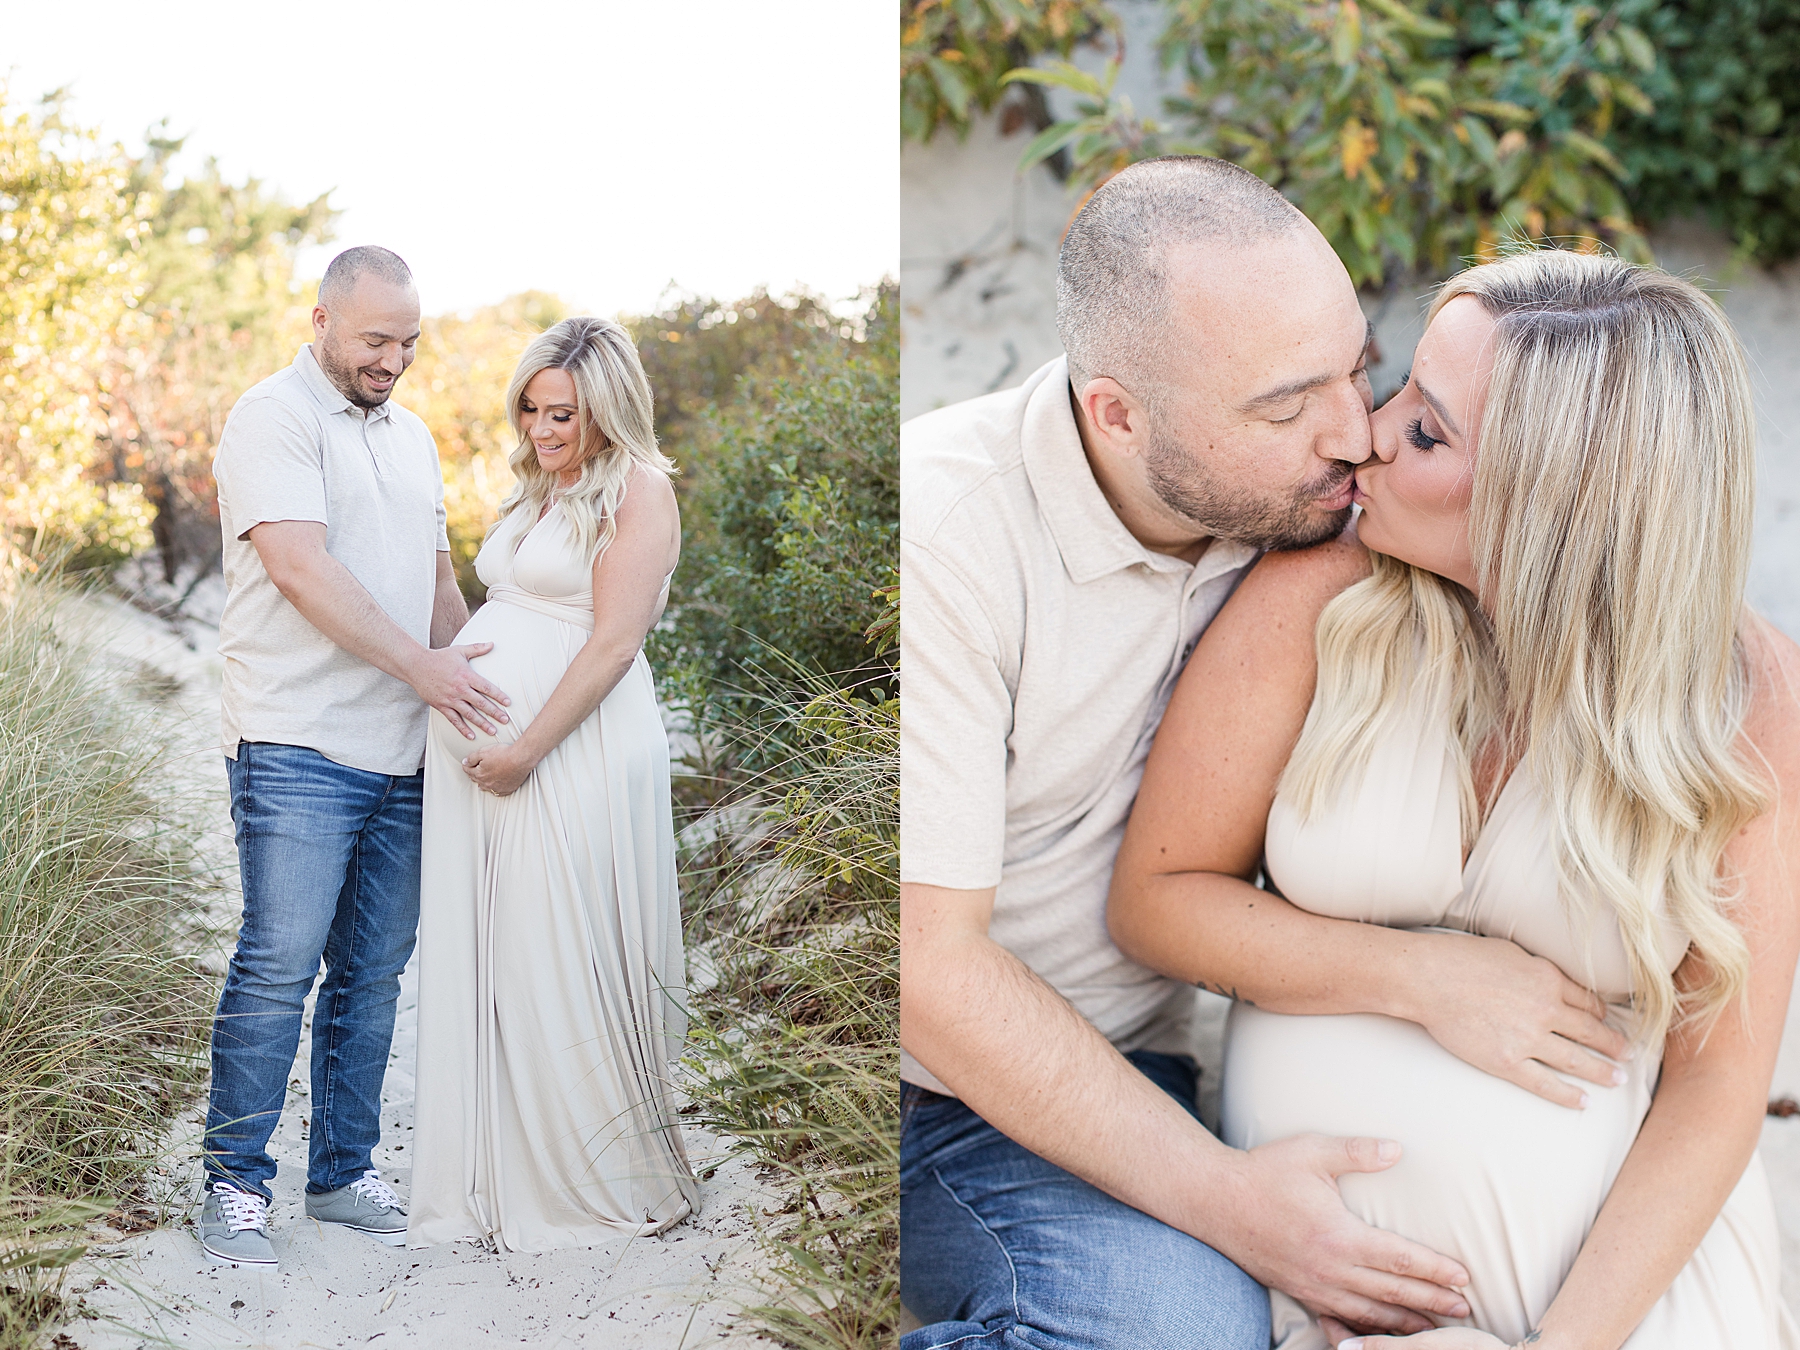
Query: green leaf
{"points": [[1057, 75], [1048, 141], [42, 1258], [1413, 23], [1632, 97], [1637, 48], [951, 86], [1481, 141], [1590, 149], [1503, 109], [1346, 33]]}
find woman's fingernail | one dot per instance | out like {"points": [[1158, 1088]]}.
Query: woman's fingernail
{"points": [[1460, 1310], [1619, 1077], [1354, 1343], [1585, 1101]]}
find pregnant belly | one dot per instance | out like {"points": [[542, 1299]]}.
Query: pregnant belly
{"points": [[1500, 1179], [531, 653]]}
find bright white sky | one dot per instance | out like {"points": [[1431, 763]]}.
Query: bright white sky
{"points": [[599, 149]]}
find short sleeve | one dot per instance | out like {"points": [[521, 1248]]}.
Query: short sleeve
{"points": [[955, 717], [437, 499], [270, 466]]}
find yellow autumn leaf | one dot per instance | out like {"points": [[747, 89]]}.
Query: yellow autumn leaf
{"points": [[1356, 146]]}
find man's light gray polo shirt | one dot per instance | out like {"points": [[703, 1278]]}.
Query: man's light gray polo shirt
{"points": [[294, 448], [1040, 643]]}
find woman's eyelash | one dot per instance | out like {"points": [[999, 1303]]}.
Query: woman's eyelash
{"points": [[1415, 432]]}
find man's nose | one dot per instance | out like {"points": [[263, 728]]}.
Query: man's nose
{"points": [[393, 360], [1348, 436]]}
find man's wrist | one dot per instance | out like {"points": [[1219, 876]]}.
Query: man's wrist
{"points": [[1221, 1186]]}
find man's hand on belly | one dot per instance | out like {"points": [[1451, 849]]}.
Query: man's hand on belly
{"points": [[1289, 1230], [444, 678]]}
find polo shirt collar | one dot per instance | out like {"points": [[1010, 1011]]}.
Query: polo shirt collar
{"points": [[1088, 534], [328, 396]]}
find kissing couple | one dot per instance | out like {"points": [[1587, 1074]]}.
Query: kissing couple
{"points": [[497, 787], [1482, 807]]}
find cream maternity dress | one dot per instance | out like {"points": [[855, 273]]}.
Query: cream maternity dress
{"points": [[550, 963], [1498, 1178]]}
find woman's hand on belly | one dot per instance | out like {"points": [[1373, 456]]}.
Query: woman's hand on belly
{"points": [[500, 768], [1494, 1005]]}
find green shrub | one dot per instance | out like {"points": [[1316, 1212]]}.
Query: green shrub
{"points": [[1416, 136], [954, 53], [791, 520], [1724, 139]]}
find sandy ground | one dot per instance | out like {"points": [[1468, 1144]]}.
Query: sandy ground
{"points": [[337, 1288]]}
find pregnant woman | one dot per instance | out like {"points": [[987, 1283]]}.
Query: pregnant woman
{"points": [[1527, 708], [550, 931]]}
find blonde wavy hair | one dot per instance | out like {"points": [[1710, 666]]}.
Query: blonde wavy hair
{"points": [[1609, 525], [614, 410]]}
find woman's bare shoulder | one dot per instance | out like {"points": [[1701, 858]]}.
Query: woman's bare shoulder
{"points": [[1772, 722], [1301, 582]]}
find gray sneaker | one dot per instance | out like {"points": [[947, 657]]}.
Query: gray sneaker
{"points": [[367, 1205], [234, 1227]]}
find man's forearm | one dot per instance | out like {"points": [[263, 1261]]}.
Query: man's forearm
{"points": [[449, 611], [1023, 1059], [333, 601]]}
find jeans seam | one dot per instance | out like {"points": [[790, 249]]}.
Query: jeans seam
{"points": [[960, 1340], [1011, 1269], [354, 869]]}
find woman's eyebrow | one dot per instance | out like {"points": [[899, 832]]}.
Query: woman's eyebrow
{"points": [[1437, 406]]}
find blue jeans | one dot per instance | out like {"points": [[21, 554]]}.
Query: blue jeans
{"points": [[329, 858], [1000, 1250]]}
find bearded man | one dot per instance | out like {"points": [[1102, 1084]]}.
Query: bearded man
{"points": [[340, 603]]}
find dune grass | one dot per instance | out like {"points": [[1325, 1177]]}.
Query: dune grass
{"points": [[792, 882], [103, 1014]]}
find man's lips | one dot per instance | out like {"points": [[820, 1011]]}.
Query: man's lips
{"points": [[1341, 498]]}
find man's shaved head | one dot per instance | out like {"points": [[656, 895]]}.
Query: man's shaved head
{"points": [[341, 275], [1113, 296]]}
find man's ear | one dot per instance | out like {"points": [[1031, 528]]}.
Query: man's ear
{"points": [[1114, 415]]}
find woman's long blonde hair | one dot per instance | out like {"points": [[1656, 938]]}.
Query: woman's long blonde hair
{"points": [[614, 411], [1609, 525]]}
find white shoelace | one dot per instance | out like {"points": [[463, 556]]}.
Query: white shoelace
{"points": [[373, 1189], [241, 1210]]}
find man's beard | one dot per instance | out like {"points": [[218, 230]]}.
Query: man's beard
{"points": [[343, 377], [1189, 488]]}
